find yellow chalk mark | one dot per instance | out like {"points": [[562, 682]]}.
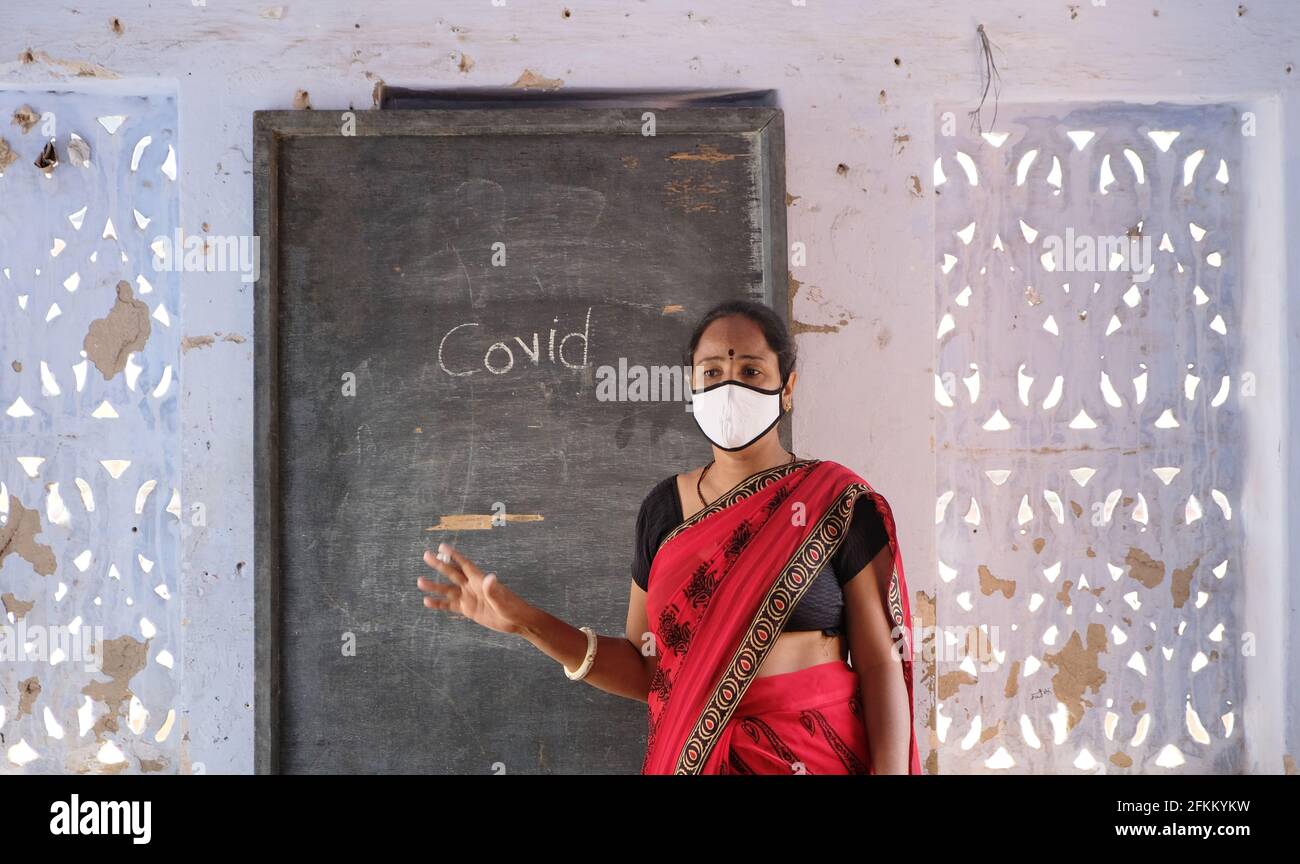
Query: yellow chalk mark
{"points": [[479, 521]]}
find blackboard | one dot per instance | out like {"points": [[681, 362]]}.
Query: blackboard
{"points": [[440, 291]]}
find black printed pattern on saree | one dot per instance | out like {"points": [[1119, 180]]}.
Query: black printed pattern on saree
{"points": [[814, 721], [652, 724], [756, 729], [733, 764], [738, 540], [778, 498], [661, 685], [702, 585], [660, 682], [674, 636]]}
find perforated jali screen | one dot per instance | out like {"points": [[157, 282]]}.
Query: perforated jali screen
{"points": [[1087, 380]]}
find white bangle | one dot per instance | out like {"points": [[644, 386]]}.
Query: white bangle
{"points": [[581, 672]]}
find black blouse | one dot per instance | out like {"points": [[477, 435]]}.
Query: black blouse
{"points": [[822, 605]]}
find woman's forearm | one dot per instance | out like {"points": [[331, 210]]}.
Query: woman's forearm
{"points": [[887, 718], [619, 667]]}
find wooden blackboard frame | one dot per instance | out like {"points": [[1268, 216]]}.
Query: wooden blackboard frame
{"points": [[271, 129]]}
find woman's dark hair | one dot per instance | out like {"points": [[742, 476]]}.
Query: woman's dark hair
{"points": [[774, 331]]}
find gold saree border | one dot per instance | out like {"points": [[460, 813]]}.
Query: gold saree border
{"points": [[795, 579]]}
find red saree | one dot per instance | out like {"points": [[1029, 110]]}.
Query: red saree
{"points": [[722, 586]]}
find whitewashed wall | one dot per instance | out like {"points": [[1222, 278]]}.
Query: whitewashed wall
{"points": [[859, 83]]}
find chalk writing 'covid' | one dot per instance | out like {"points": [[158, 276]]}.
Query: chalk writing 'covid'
{"points": [[458, 353]]}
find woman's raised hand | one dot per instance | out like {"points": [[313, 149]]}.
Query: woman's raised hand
{"points": [[479, 597]]}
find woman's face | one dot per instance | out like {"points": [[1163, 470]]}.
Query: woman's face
{"points": [[734, 349]]}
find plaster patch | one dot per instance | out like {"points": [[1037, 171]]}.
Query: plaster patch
{"points": [[1077, 670], [196, 342], [949, 683], [530, 80], [125, 330], [79, 68], [25, 117], [990, 583], [18, 536], [28, 690], [15, 607], [1144, 568], [123, 658], [797, 327], [1181, 583]]}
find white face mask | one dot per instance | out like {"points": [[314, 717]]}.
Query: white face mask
{"points": [[734, 415]]}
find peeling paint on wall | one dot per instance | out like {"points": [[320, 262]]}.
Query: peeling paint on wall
{"points": [[15, 607], [530, 80], [205, 340], [25, 118], [1078, 670], [990, 584], [123, 658], [78, 68], [123, 332], [18, 537]]}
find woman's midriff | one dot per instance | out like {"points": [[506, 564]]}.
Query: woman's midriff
{"points": [[800, 649]]}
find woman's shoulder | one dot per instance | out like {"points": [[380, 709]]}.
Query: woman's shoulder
{"points": [[662, 499], [670, 485], [842, 471], [847, 475], [660, 490]]}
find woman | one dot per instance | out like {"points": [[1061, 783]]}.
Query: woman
{"points": [[757, 577]]}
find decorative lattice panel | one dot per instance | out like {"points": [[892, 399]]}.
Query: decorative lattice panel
{"points": [[89, 435], [1088, 440]]}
